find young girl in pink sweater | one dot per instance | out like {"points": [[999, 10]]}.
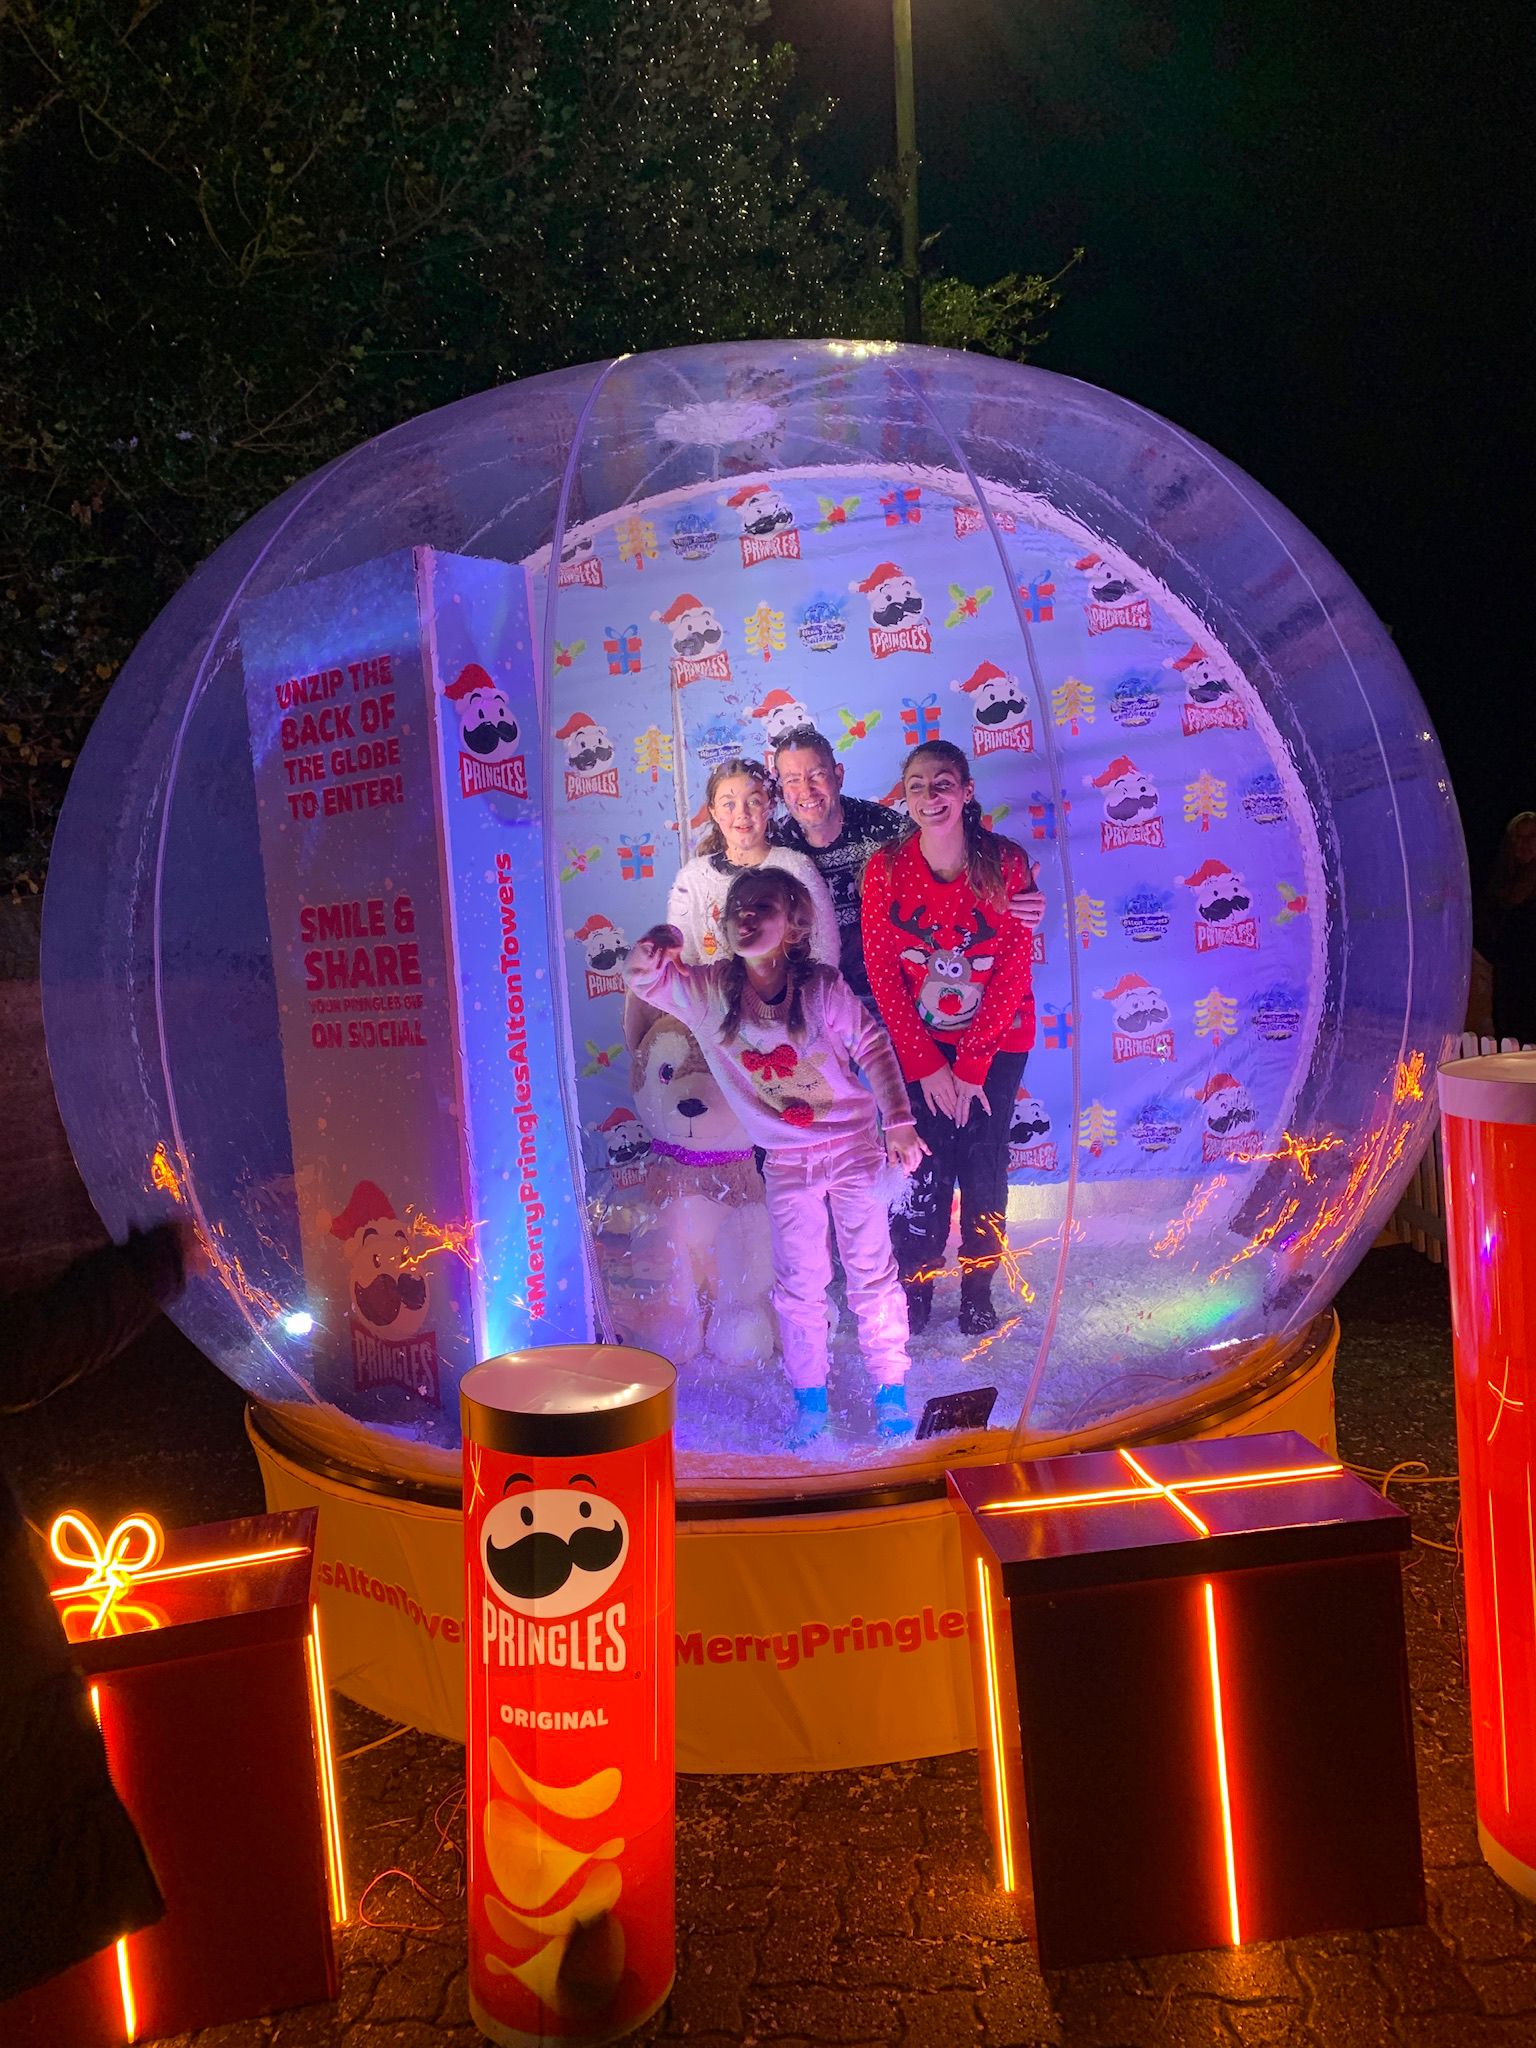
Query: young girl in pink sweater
{"points": [[781, 1034]]}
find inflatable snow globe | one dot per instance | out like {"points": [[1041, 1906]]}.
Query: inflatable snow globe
{"points": [[354, 862]]}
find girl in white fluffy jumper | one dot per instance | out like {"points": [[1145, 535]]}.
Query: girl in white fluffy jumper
{"points": [[739, 801], [739, 798], [782, 1033]]}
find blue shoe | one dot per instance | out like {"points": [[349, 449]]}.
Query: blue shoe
{"points": [[892, 1422], [810, 1417]]}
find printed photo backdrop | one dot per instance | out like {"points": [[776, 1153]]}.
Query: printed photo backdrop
{"points": [[1179, 968]]}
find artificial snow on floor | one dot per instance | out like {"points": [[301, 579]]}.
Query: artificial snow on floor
{"points": [[1158, 1297]]}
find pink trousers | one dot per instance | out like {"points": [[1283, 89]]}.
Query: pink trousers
{"points": [[841, 1175]]}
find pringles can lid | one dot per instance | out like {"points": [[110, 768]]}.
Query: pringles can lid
{"points": [[1495, 1088], [568, 1400]]}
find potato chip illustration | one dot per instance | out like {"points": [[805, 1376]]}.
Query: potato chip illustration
{"points": [[541, 1973], [580, 1801], [599, 1894], [512, 1928], [528, 1863]]}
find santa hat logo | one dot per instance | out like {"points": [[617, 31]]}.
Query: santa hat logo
{"points": [[745, 495], [369, 1204], [618, 1119], [674, 611], [776, 700], [1217, 1085], [1121, 765], [884, 573], [1123, 987], [1190, 660], [1089, 562], [1207, 871], [987, 672], [595, 923], [473, 677], [577, 722]]}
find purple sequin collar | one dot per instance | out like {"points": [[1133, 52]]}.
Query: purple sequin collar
{"points": [[698, 1158]]}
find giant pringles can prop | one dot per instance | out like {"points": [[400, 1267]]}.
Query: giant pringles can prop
{"points": [[568, 1529], [1488, 1112]]}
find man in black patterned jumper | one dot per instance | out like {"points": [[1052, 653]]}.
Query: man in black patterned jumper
{"points": [[838, 834]]}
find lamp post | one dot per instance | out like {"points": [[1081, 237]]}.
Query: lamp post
{"points": [[906, 171]]}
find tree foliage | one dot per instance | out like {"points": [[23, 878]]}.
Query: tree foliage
{"points": [[237, 236]]}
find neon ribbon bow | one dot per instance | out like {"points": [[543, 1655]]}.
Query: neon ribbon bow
{"points": [[110, 1567]]}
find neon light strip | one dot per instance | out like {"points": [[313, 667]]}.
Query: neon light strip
{"points": [[1218, 1722], [194, 1571], [1257, 1478], [1063, 1500], [1498, 1650], [223, 1564], [1099, 1495], [124, 1978], [995, 1731], [334, 1867], [1172, 1498], [125, 1986]]}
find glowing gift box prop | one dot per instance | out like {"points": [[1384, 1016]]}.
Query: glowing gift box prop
{"points": [[570, 1625], [205, 1674], [1488, 1129], [1191, 1695]]}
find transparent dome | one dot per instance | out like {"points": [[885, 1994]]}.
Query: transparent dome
{"points": [[341, 896]]}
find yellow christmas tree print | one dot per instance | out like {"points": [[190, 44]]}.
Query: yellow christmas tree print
{"points": [[1205, 798], [1216, 1018], [765, 631], [1096, 1128], [653, 753], [1072, 703], [1088, 916], [637, 540]]}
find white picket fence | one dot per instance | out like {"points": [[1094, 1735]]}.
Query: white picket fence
{"points": [[1419, 1218]]}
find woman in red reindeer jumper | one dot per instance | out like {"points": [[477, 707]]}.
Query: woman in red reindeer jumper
{"points": [[788, 1042], [947, 945]]}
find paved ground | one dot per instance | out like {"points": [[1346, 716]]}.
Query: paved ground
{"points": [[856, 1907]]}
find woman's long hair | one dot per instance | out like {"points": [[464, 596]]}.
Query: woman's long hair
{"points": [[984, 850], [801, 968], [713, 841]]}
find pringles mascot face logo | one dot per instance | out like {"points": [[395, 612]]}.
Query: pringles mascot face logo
{"points": [[488, 728], [488, 735], [553, 1550], [389, 1295]]}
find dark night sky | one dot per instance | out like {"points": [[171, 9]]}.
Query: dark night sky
{"points": [[1302, 229]]}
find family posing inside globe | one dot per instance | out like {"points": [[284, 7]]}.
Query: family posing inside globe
{"points": [[859, 985], [1228, 991]]}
